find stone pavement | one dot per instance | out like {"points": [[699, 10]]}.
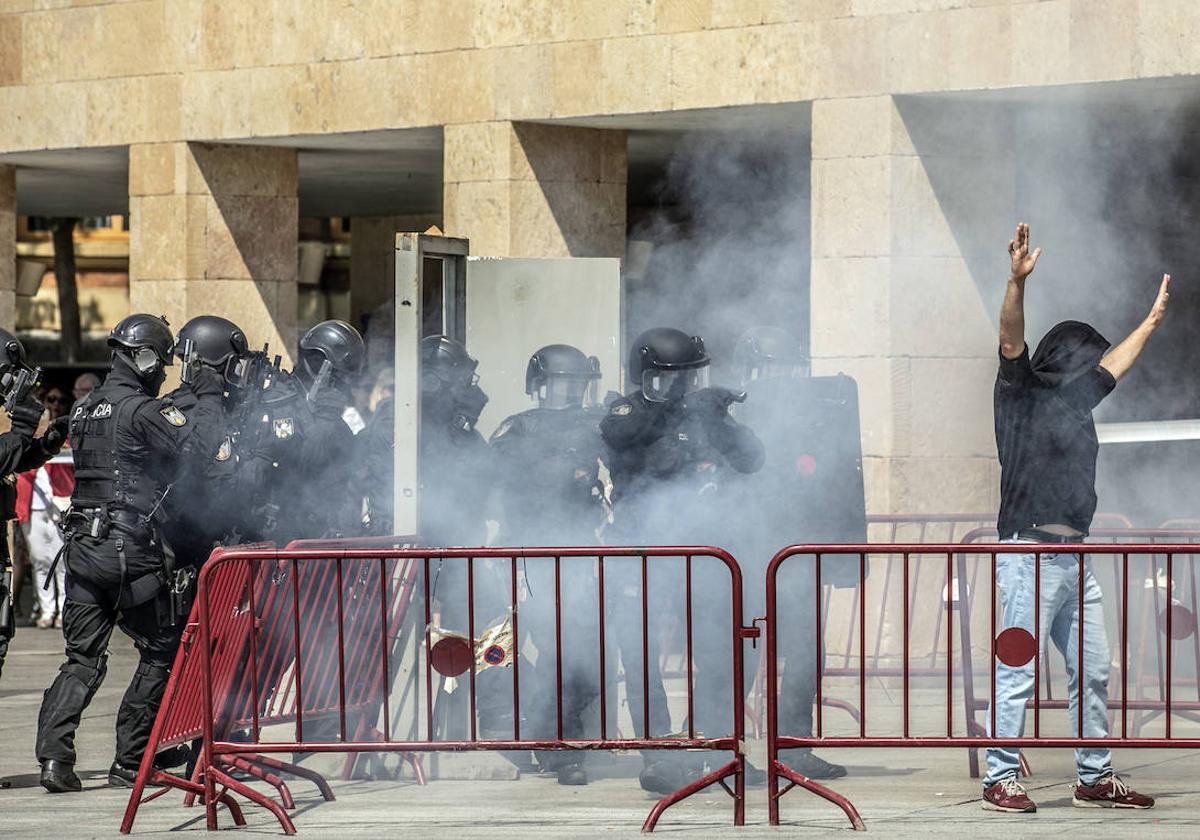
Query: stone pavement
{"points": [[910, 793]]}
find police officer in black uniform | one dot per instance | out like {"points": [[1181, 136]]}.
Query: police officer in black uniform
{"points": [[805, 493], [671, 445], [299, 453], [128, 446], [548, 470], [455, 471], [19, 451], [204, 508]]}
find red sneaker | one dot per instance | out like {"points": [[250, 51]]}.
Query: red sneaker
{"points": [[1007, 795], [1110, 792]]}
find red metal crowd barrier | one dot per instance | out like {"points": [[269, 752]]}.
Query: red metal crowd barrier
{"points": [[251, 604], [934, 695], [297, 650], [1150, 602]]}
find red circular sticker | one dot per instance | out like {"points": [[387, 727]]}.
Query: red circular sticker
{"points": [[806, 465], [494, 655], [451, 656], [1015, 647], [1183, 622]]}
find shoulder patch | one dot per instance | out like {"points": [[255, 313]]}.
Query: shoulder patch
{"points": [[622, 408], [225, 450], [173, 415], [353, 419]]}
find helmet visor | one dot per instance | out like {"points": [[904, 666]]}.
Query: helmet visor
{"points": [[146, 359], [664, 385], [567, 391], [779, 369]]}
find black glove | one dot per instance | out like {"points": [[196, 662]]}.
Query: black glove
{"points": [[25, 416], [56, 435], [711, 402], [206, 382]]}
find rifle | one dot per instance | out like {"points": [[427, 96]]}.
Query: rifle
{"points": [[17, 384], [188, 359], [254, 381]]}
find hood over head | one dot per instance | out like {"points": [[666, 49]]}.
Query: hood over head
{"points": [[1069, 350]]}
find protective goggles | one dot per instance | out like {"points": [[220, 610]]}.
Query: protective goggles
{"points": [[665, 385]]}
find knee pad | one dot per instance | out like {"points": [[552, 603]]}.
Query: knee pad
{"points": [[88, 671], [152, 671]]}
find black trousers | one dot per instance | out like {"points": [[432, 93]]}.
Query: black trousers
{"points": [[89, 616]]}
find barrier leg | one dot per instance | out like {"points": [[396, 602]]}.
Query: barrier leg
{"points": [[168, 781], [285, 795], [213, 774], [295, 770], [820, 790], [733, 768]]}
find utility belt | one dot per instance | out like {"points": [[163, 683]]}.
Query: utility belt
{"points": [[97, 522]]}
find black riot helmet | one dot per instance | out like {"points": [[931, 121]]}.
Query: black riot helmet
{"points": [[560, 376], [12, 352], [769, 353], [449, 385], [335, 342], [215, 340], [668, 363], [145, 340]]}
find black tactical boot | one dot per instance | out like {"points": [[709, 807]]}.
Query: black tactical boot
{"points": [[59, 777], [572, 774], [121, 776], [812, 766]]}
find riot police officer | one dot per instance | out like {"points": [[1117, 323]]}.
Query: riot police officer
{"points": [[455, 470], [809, 491], [128, 447], [203, 508], [19, 451], [548, 477], [302, 452], [671, 446]]}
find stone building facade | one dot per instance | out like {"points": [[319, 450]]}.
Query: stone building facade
{"points": [[521, 116]]}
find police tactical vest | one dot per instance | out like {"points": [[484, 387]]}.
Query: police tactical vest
{"points": [[105, 475]]}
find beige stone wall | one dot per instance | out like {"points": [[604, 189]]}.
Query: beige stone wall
{"points": [[213, 229], [113, 73], [372, 247], [895, 295], [8, 247], [527, 190]]}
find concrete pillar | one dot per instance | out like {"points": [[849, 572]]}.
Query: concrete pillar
{"points": [[8, 248], [214, 230], [531, 190], [912, 207]]}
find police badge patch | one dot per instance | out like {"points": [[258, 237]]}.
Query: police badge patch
{"points": [[284, 427], [173, 415], [621, 409], [225, 450]]}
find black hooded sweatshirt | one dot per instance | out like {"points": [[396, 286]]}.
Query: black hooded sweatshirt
{"points": [[1045, 435]]}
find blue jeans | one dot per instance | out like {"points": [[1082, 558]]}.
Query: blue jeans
{"points": [[1060, 619]]}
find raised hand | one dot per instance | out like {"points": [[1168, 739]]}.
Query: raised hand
{"points": [[1160, 303], [1023, 261]]}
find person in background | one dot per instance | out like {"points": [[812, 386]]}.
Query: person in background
{"points": [[85, 383], [41, 495]]}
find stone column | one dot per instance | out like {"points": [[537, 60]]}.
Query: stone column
{"points": [[532, 190], [8, 248], [213, 231], [912, 208]]}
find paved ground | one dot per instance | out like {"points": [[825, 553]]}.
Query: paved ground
{"points": [[909, 793]]}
